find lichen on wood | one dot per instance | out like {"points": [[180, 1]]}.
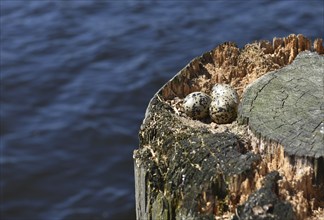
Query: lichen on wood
{"points": [[196, 169], [286, 106]]}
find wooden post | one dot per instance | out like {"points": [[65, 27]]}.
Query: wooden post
{"points": [[268, 163]]}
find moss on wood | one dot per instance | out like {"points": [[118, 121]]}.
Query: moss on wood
{"points": [[189, 169]]}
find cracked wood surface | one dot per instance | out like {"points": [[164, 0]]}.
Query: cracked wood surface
{"points": [[287, 106], [188, 169]]}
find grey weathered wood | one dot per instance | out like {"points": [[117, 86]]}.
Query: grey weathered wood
{"points": [[287, 106], [265, 203], [186, 170], [182, 165]]}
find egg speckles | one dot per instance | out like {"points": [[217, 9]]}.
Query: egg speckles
{"points": [[196, 105], [225, 91], [220, 107], [223, 108]]}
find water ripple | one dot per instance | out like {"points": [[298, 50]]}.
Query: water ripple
{"points": [[76, 78]]}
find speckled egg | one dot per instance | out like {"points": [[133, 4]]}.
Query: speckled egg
{"points": [[223, 108], [196, 105], [226, 91]]}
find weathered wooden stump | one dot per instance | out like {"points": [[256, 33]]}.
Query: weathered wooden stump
{"points": [[267, 164]]}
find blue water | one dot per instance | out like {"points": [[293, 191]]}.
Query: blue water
{"points": [[76, 77]]}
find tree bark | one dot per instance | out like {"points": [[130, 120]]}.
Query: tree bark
{"points": [[267, 164]]}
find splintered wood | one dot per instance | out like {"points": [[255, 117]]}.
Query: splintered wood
{"points": [[268, 163]]}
